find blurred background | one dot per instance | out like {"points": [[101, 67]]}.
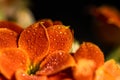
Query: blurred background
{"points": [[96, 21]]}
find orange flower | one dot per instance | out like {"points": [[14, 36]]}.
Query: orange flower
{"points": [[42, 52], [39, 48]]}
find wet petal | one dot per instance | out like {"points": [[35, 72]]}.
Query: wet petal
{"points": [[55, 62], [61, 38], [11, 25], [8, 38], [34, 40], [12, 59], [90, 51], [84, 70], [110, 70]]}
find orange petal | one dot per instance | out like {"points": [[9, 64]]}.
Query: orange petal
{"points": [[55, 62], [84, 70], [90, 51], [12, 59], [100, 74], [11, 25], [110, 71], [34, 40], [21, 75], [112, 67], [61, 38], [8, 38]]}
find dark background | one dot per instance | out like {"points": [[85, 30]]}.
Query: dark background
{"points": [[73, 13]]}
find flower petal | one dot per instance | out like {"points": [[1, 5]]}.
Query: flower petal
{"points": [[61, 38], [90, 51], [84, 70], [55, 62], [110, 70], [8, 38], [11, 25], [34, 40], [12, 59]]}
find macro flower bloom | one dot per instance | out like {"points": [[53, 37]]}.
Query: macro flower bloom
{"points": [[42, 51]]}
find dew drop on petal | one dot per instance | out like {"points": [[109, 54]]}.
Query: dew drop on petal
{"points": [[28, 31]]}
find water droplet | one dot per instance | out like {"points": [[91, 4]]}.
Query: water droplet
{"points": [[56, 31], [65, 33], [23, 74], [62, 39], [28, 31], [28, 40], [60, 32], [59, 27], [62, 44], [40, 36], [55, 59], [11, 33], [57, 35], [60, 53], [50, 36], [34, 33]]}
